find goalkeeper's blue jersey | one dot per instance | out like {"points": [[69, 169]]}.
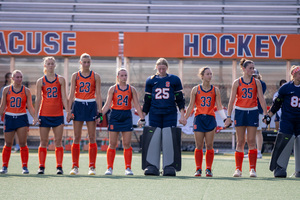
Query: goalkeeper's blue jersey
{"points": [[291, 101], [162, 90]]}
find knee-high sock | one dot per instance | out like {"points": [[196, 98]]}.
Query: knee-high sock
{"points": [[209, 158], [128, 157], [93, 154], [75, 150], [110, 157], [42, 156], [239, 156], [252, 154], [198, 158], [24, 155], [59, 154], [5, 156]]}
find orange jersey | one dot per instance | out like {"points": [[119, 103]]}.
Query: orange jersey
{"points": [[85, 86], [16, 101], [51, 105], [122, 98], [246, 94], [205, 101]]}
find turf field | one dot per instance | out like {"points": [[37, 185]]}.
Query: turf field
{"points": [[14, 185]]}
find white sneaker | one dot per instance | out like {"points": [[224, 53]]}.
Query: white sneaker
{"points": [[92, 171], [237, 173], [74, 171], [246, 156], [128, 171], [252, 173], [259, 155], [109, 171]]}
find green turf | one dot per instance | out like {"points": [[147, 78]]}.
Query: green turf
{"points": [[14, 185]]}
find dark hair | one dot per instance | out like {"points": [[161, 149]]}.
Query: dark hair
{"points": [[282, 81], [7, 75]]}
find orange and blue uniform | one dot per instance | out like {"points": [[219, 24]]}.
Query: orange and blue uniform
{"points": [[15, 113], [246, 110], [204, 120], [120, 118], [51, 109], [84, 107]]}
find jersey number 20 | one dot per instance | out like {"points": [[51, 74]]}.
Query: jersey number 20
{"points": [[15, 102]]}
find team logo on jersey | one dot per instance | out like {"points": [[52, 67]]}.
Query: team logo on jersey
{"points": [[195, 126], [167, 84]]}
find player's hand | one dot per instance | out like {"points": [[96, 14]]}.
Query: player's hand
{"points": [[227, 122], [36, 121], [141, 123], [99, 118], [182, 121], [70, 116], [266, 119]]}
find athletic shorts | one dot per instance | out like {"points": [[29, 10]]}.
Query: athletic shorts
{"points": [[204, 123], [163, 120], [120, 121], [84, 111], [51, 121], [289, 127], [246, 117], [12, 123]]}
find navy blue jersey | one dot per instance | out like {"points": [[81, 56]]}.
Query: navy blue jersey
{"points": [[264, 88], [290, 109], [162, 91]]}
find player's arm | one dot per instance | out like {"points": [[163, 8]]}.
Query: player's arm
{"points": [[220, 109], [99, 117], [38, 99], [192, 102], [231, 102], [136, 103], [147, 97], [3, 100], [29, 103], [109, 98], [64, 98], [276, 105], [261, 98], [72, 90]]}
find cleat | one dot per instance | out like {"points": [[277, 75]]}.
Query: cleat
{"points": [[252, 173], [259, 155], [25, 170], [151, 171], [59, 170], [41, 170], [237, 173], [169, 171], [128, 171], [208, 173], [198, 172], [109, 171], [3, 170], [92, 171], [74, 171], [280, 172]]}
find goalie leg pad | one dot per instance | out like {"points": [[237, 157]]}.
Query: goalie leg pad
{"points": [[151, 147], [171, 147], [297, 154], [282, 150]]}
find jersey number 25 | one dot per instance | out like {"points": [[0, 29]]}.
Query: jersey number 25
{"points": [[162, 93]]}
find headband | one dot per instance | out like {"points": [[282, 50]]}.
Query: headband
{"points": [[297, 69]]}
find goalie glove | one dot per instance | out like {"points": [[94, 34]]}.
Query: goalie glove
{"points": [[99, 116], [267, 118]]}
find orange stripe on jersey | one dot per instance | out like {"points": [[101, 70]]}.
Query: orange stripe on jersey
{"points": [[246, 94], [205, 101], [51, 105], [16, 101], [85, 86], [122, 98]]}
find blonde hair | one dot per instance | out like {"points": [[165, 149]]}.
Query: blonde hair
{"points": [[162, 61], [84, 55], [294, 69], [45, 59], [13, 74], [118, 73], [202, 71]]}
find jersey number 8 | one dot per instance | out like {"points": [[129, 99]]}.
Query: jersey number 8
{"points": [[295, 102]]}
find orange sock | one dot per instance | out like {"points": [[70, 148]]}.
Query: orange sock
{"points": [[209, 158], [75, 151], [59, 154], [128, 157], [252, 158], [24, 155], [93, 154], [239, 156], [6, 155], [42, 156], [198, 158], [110, 157]]}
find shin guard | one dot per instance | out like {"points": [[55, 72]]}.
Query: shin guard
{"points": [[282, 150], [151, 147], [171, 147]]}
